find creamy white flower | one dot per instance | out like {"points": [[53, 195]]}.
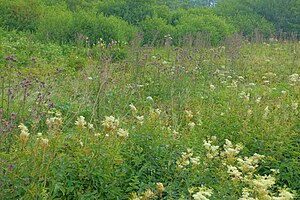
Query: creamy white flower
{"points": [[80, 123], [203, 194], [123, 134], [149, 98]]}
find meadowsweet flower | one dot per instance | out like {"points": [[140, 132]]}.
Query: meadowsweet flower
{"points": [[195, 161], [234, 84], [252, 84], [110, 123], [191, 125], [275, 171], [249, 112], [295, 106], [234, 173], [123, 134], [183, 161], [188, 115], [23, 127], [149, 99], [246, 195], [148, 194], [80, 123], [212, 87], [154, 113], [249, 164], [203, 194], [230, 151], [24, 135], [261, 184], [39, 135], [160, 188], [212, 150], [140, 119], [265, 115], [245, 96], [258, 100], [44, 142], [54, 122], [294, 77], [133, 108], [90, 126], [284, 195]]}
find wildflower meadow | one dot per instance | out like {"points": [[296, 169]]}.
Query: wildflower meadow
{"points": [[133, 121]]}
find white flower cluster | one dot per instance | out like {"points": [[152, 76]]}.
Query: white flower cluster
{"points": [[230, 152], [203, 194], [123, 134], [188, 115], [80, 123], [54, 122], [212, 150], [43, 142], [24, 134], [110, 123], [294, 78], [186, 159], [155, 113]]}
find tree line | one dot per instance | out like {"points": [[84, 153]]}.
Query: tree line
{"points": [[72, 21]]}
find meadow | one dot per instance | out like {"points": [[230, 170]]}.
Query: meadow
{"points": [[127, 121]]}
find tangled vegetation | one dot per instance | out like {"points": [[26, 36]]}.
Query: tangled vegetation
{"points": [[125, 121]]}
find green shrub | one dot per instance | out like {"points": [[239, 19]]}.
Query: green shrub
{"points": [[215, 26], [155, 30], [56, 24], [20, 14], [244, 18], [248, 24], [99, 26]]}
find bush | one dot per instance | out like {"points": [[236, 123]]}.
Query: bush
{"points": [[56, 24], [250, 23], [244, 18], [20, 14], [155, 29], [215, 26]]}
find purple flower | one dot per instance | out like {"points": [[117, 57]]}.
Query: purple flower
{"points": [[11, 167], [52, 105]]}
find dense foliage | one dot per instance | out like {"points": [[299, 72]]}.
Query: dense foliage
{"points": [[66, 21], [149, 99], [165, 123]]}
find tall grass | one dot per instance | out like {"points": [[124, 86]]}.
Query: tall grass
{"points": [[163, 123]]}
